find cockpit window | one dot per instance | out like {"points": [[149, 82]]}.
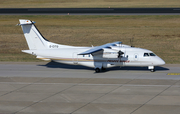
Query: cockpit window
{"points": [[149, 54], [152, 54], [146, 54]]}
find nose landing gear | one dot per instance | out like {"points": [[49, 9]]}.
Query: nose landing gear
{"points": [[151, 68]]}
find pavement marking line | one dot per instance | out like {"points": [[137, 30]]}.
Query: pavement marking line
{"points": [[103, 95], [23, 87], [53, 95], [154, 97], [173, 73]]}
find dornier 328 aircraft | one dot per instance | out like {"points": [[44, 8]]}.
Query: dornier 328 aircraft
{"points": [[99, 57]]}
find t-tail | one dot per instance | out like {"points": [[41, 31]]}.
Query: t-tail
{"points": [[36, 42], [34, 38]]}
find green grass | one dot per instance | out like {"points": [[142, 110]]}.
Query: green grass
{"points": [[87, 3], [159, 34], [18, 57]]}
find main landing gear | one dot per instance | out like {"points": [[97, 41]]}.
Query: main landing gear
{"points": [[97, 70]]}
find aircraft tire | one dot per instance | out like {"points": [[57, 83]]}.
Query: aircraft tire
{"points": [[152, 70], [97, 70], [103, 69]]}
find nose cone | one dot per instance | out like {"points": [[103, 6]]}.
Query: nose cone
{"points": [[162, 62], [159, 61]]}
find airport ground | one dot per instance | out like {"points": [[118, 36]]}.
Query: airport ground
{"points": [[50, 88]]}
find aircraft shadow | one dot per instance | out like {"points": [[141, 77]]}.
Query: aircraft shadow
{"points": [[53, 64], [157, 68]]}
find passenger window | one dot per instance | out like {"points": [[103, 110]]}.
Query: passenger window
{"points": [[152, 54], [146, 54]]}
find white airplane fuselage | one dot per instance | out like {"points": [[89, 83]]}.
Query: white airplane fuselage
{"points": [[132, 57], [105, 56]]}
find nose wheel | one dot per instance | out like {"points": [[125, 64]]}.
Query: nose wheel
{"points": [[151, 68]]}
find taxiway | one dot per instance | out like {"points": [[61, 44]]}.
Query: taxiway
{"points": [[50, 88]]}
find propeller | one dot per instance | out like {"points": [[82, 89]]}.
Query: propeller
{"points": [[120, 53]]}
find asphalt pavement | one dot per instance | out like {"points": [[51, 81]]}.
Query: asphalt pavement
{"points": [[50, 88]]}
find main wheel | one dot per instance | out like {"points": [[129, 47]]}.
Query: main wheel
{"points": [[97, 70], [103, 69]]}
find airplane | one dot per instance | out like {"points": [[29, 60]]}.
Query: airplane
{"points": [[98, 57]]}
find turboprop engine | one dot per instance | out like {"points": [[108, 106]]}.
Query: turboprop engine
{"points": [[110, 53]]}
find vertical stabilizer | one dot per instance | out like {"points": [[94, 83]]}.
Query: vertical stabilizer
{"points": [[33, 37]]}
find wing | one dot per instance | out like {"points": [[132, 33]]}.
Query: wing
{"points": [[98, 48]]}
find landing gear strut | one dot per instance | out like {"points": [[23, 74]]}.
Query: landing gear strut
{"points": [[103, 69]]}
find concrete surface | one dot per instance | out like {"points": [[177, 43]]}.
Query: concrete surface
{"points": [[50, 88]]}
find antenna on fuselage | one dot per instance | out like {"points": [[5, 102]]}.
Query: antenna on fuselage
{"points": [[91, 45]]}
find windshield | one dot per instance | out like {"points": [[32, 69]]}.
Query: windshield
{"points": [[152, 54], [146, 54], [149, 54]]}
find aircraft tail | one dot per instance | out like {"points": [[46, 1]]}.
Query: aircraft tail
{"points": [[33, 37]]}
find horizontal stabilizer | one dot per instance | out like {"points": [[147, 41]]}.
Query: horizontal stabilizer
{"points": [[98, 48], [25, 22]]}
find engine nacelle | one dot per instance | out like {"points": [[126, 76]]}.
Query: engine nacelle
{"points": [[109, 53]]}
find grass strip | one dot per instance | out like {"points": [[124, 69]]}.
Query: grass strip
{"points": [[159, 33]]}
